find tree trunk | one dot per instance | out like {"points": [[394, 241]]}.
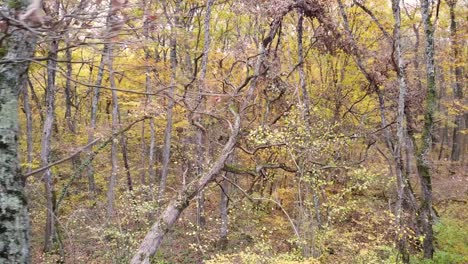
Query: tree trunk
{"points": [[29, 126], [93, 117], [148, 69], [14, 219], [401, 135], [152, 159], [202, 147], [224, 202], [306, 101], [68, 96], [155, 236], [115, 129], [166, 155], [458, 86], [423, 155], [46, 147], [123, 143]]}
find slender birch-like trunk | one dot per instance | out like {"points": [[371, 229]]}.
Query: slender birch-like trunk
{"points": [[166, 155], [202, 147], [149, 89], [401, 133], [68, 96], [310, 186], [29, 126], [115, 129], [47, 130], [224, 202], [93, 117]]}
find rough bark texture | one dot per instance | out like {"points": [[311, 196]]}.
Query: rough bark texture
{"points": [[423, 156], [115, 129], [401, 135], [46, 146], [458, 86], [14, 221]]}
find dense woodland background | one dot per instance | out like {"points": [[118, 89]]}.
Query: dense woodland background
{"points": [[239, 131]]}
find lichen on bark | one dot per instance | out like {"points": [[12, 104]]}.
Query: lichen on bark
{"points": [[14, 222]]}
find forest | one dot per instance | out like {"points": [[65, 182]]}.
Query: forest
{"points": [[233, 131]]}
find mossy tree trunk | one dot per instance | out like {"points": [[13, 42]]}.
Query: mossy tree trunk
{"points": [[14, 221], [423, 153]]}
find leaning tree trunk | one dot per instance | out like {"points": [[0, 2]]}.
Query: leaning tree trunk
{"points": [[423, 155], [177, 205], [14, 220]]}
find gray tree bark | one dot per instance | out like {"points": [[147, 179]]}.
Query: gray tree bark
{"points": [[29, 127], [166, 155], [224, 202], [458, 85], [49, 234], [423, 153], [401, 133], [68, 93], [14, 219], [115, 129], [93, 117], [144, 153], [201, 136], [310, 186]]}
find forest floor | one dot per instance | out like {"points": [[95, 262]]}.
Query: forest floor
{"points": [[360, 231]]}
